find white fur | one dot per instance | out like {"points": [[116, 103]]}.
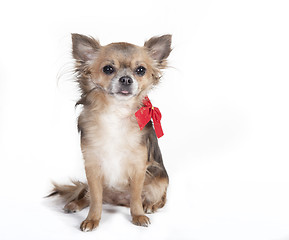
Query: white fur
{"points": [[115, 144]]}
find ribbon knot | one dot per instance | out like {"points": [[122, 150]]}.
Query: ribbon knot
{"points": [[148, 112]]}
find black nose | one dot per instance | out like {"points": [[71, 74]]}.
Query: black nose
{"points": [[126, 80]]}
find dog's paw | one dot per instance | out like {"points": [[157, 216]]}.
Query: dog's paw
{"points": [[71, 207], [89, 225], [141, 220], [153, 207], [150, 208]]}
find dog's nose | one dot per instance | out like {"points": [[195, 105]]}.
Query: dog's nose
{"points": [[126, 80]]}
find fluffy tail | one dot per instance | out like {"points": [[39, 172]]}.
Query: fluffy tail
{"points": [[76, 191]]}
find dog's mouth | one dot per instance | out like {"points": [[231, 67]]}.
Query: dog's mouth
{"points": [[124, 93]]}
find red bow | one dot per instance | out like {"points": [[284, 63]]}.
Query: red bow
{"points": [[148, 112]]}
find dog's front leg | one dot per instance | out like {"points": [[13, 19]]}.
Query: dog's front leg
{"points": [[94, 181], [136, 207]]}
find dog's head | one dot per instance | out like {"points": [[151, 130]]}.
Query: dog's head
{"points": [[121, 69]]}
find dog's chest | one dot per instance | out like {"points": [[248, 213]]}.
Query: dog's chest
{"points": [[119, 138]]}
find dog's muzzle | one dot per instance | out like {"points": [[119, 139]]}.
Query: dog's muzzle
{"points": [[125, 83]]}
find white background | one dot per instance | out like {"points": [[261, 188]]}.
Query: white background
{"points": [[225, 116]]}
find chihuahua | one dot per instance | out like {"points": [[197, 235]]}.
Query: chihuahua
{"points": [[123, 164]]}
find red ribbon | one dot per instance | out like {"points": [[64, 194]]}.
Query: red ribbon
{"points": [[148, 112]]}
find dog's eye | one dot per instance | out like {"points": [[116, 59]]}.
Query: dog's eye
{"points": [[108, 69], [140, 71]]}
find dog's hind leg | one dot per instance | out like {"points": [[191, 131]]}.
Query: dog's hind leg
{"points": [[75, 195], [76, 205], [154, 195]]}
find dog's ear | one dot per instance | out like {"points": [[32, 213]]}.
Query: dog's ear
{"points": [[159, 47], [84, 48]]}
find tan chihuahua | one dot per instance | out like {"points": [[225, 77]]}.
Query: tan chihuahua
{"points": [[123, 164]]}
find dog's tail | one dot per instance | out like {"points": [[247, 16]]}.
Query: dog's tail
{"points": [[68, 193]]}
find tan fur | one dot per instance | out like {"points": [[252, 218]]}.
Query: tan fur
{"points": [[123, 164], [76, 205]]}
